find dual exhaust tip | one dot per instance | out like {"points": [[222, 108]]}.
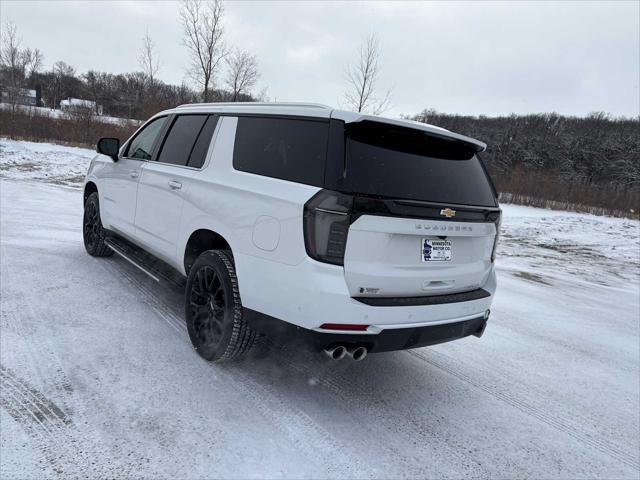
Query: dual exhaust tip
{"points": [[340, 351]]}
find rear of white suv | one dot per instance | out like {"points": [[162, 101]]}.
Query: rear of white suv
{"points": [[400, 245], [351, 233]]}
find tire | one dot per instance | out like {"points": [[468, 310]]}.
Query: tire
{"points": [[213, 309], [92, 231]]}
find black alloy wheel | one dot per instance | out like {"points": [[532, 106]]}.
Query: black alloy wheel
{"points": [[213, 308]]}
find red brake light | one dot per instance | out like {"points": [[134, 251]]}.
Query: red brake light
{"points": [[344, 326]]}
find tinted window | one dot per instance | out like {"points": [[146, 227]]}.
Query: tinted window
{"points": [[410, 164], [142, 145], [199, 152], [283, 148], [181, 138]]}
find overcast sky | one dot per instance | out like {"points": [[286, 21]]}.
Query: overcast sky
{"points": [[468, 57]]}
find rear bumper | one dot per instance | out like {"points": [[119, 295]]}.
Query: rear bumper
{"points": [[384, 341], [311, 293]]}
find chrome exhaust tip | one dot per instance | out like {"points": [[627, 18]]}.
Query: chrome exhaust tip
{"points": [[358, 354], [336, 353]]}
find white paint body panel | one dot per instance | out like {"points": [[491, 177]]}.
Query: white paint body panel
{"points": [[120, 182], [262, 220], [384, 254], [159, 208]]}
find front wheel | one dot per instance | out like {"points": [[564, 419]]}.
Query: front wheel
{"points": [[92, 231], [213, 309]]}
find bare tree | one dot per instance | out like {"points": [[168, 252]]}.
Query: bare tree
{"points": [[202, 24], [11, 56], [242, 73], [16, 65], [34, 60], [362, 80], [21, 63], [62, 74], [148, 59], [13, 62]]}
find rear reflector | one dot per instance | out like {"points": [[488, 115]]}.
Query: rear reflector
{"points": [[343, 326]]}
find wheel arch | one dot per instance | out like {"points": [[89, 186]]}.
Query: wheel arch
{"points": [[89, 188], [201, 240]]}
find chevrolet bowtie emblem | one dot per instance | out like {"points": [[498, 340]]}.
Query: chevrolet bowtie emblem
{"points": [[447, 212]]}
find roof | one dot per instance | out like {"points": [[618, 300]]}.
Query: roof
{"points": [[257, 104], [316, 110], [25, 92], [77, 102]]}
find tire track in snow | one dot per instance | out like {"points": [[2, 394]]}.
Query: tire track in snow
{"points": [[293, 423], [309, 436], [385, 414], [495, 391], [19, 316], [34, 402], [69, 447], [21, 319], [45, 422]]}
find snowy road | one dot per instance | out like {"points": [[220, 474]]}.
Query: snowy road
{"points": [[98, 377]]}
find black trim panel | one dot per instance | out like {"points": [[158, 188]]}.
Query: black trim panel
{"points": [[424, 300], [388, 340], [388, 207]]}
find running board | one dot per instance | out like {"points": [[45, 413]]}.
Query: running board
{"points": [[143, 260]]}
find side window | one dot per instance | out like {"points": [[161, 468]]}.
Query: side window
{"points": [[288, 149], [181, 139], [142, 145]]}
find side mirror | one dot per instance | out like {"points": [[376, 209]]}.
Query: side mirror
{"points": [[110, 147]]}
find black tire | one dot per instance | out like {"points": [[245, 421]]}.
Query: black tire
{"points": [[92, 231], [213, 309]]}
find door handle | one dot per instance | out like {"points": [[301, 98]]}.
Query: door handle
{"points": [[174, 185], [133, 174]]}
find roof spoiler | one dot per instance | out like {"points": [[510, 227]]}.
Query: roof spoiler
{"points": [[353, 117]]}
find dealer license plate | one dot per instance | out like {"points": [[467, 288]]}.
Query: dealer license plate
{"points": [[436, 250]]}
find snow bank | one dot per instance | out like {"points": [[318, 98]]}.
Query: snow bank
{"points": [[44, 162], [50, 112]]}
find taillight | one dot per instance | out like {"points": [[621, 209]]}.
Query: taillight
{"points": [[327, 217], [496, 217]]}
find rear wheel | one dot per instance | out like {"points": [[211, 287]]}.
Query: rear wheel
{"points": [[92, 231], [213, 308]]}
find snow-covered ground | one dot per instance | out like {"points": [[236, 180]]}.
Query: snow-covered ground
{"points": [[56, 113], [46, 162], [98, 378]]}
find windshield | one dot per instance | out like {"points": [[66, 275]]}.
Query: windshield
{"points": [[397, 162]]}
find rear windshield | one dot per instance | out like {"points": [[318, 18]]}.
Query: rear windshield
{"points": [[405, 163]]}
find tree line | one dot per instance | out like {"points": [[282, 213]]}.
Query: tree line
{"points": [[555, 160]]}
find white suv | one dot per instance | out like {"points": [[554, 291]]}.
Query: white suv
{"points": [[349, 232]]}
